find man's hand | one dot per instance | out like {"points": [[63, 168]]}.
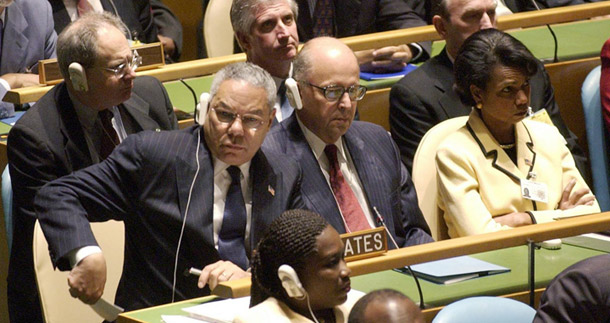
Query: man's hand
{"points": [[88, 278], [571, 199], [168, 45], [218, 272], [385, 59], [18, 80]]}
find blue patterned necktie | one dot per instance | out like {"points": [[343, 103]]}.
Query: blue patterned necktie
{"points": [[231, 238]]}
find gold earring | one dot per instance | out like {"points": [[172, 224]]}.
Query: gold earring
{"points": [[479, 105]]}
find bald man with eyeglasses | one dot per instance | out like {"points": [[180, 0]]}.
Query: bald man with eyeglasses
{"points": [[75, 125], [351, 169]]}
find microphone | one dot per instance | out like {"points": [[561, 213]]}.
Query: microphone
{"points": [[555, 59], [422, 305], [193, 93]]}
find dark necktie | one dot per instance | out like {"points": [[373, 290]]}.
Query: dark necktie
{"points": [[323, 17], [231, 238], [83, 7], [109, 138], [348, 203]]}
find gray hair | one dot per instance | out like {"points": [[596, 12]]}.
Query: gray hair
{"points": [[78, 41], [242, 13], [248, 72]]}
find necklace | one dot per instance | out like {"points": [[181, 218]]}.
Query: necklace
{"points": [[507, 146]]}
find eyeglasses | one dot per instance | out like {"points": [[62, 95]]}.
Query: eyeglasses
{"points": [[249, 121], [121, 70], [333, 93]]}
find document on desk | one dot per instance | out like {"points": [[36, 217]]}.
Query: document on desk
{"points": [[457, 269], [219, 311], [595, 241]]}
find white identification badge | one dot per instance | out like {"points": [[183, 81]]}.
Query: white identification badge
{"points": [[534, 191]]}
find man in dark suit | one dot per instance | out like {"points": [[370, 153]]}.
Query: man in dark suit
{"points": [[351, 169], [27, 37], [267, 32], [425, 97], [199, 197], [64, 132], [580, 293], [343, 18], [147, 20]]}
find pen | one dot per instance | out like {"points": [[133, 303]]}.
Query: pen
{"points": [[194, 271]]}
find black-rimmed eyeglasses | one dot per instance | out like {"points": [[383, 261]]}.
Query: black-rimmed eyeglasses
{"points": [[249, 121]]}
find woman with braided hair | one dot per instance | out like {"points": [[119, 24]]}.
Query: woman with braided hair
{"points": [[298, 272]]}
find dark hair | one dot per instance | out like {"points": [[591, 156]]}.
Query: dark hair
{"points": [[356, 315], [290, 239], [481, 52]]}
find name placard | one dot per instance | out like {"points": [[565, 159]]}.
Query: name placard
{"points": [[365, 244]]}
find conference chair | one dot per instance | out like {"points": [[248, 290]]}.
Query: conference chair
{"points": [[7, 206], [57, 304], [486, 309], [596, 138], [424, 174], [217, 29]]}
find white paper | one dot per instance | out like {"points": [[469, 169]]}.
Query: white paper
{"points": [[219, 311], [108, 311], [179, 319]]}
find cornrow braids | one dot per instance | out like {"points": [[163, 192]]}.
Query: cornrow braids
{"points": [[290, 239]]}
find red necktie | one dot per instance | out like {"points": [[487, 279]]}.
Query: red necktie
{"points": [[323, 17], [348, 203], [83, 7], [109, 139]]}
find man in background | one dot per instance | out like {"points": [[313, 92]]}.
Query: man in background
{"points": [[27, 36]]}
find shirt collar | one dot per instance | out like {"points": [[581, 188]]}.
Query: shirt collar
{"points": [[317, 145], [220, 166]]}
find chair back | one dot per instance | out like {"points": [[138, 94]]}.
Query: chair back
{"points": [[486, 309], [424, 174], [7, 206], [57, 304], [217, 28], [596, 138]]}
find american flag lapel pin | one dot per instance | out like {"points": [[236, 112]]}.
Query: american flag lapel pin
{"points": [[271, 190]]}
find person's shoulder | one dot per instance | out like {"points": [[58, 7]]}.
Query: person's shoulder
{"points": [[365, 127], [457, 142], [541, 131], [146, 81], [44, 112]]}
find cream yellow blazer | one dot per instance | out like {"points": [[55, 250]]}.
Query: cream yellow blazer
{"points": [[273, 310], [478, 181]]}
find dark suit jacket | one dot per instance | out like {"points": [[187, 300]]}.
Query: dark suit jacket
{"points": [[47, 143], [358, 17], [425, 97], [385, 181], [581, 293], [145, 183], [143, 18]]}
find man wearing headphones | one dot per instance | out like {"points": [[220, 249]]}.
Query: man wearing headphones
{"points": [[199, 197], [267, 32], [353, 175], [74, 125]]}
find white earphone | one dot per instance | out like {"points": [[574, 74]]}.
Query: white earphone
{"points": [[202, 108], [292, 93], [291, 282], [78, 77]]}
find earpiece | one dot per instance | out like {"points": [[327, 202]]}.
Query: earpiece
{"points": [[292, 93], [291, 282], [78, 77], [202, 108]]}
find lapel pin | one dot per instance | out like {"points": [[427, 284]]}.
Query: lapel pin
{"points": [[528, 162], [271, 190]]}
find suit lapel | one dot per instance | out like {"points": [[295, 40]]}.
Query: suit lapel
{"points": [[75, 147], [200, 212], [449, 101], [13, 41], [266, 187], [526, 155], [491, 149], [138, 110], [314, 188]]}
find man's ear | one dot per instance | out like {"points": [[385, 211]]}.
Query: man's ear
{"points": [[243, 41], [439, 25]]}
